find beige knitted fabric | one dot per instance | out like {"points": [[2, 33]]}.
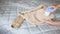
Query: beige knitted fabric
{"points": [[34, 16]]}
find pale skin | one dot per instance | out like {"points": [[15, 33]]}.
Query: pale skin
{"points": [[50, 22]]}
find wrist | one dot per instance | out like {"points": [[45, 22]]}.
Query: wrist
{"points": [[57, 23], [58, 5]]}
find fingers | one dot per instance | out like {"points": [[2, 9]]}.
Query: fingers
{"points": [[50, 22], [53, 7]]}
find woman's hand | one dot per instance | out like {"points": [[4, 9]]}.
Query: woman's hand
{"points": [[53, 7], [50, 22]]}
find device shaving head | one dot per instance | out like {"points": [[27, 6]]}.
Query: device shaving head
{"points": [[48, 11]]}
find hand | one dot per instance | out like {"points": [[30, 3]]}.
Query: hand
{"points": [[54, 8], [50, 22]]}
